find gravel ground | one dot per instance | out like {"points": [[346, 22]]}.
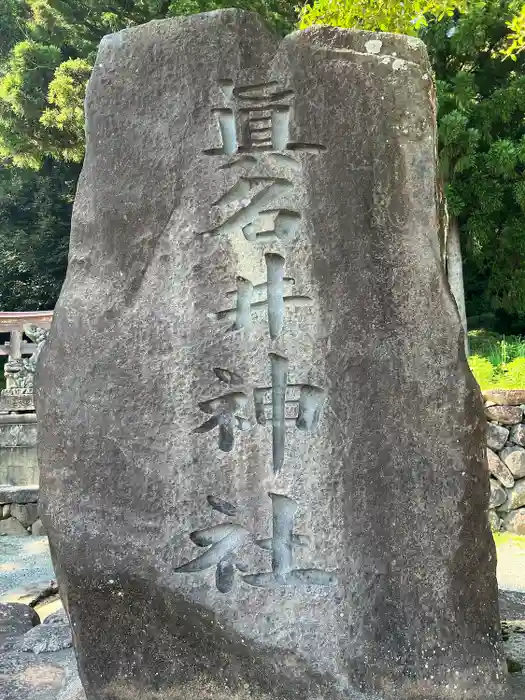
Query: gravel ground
{"points": [[24, 562], [511, 565]]}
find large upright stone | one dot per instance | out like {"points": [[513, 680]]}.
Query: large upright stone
{"points": [[254, 272]]}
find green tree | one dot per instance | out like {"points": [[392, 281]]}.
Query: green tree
{"points": [[23, 98], [47, 49], [45, 74], [35, 211], [13, 17], [481, 98], [376, 15]]}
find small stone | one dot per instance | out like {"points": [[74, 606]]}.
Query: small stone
{"points": [[517, 434], [514, 457], [499, 470], [514, 666], [16, 619], [18, 494], [498, 495], [26, 513], [374, 46], [497, 436], [494, 521], [505, 397], [38, 529], [45, 638], [515, 497], [508, 415], [12, 527], [58, 617], [5, 511], [515, 522]]}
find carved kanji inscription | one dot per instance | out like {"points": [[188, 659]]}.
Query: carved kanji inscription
{"points": [[274, 298], [223, 540]]}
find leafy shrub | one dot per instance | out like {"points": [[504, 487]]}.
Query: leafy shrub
{"points": [[483, 371], [497, 362], [498, 349], [513, 374]]}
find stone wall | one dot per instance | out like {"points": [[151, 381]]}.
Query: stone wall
{"points": [[504, 410], [19, 511], [18, 458]]}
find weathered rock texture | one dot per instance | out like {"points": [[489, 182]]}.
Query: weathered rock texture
{"points": [[506, 460], [19, 510], [499, 470], [18, 457], [507, 415], [238, 303], [36, 661]]}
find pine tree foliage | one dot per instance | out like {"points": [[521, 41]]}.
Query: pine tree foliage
{"points": [[481, 98], [35, 211], [53, 44], [47, 49]]}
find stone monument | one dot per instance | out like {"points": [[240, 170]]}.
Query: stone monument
{"points": [[255, 272]]}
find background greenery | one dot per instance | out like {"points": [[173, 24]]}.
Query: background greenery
{"points": [[47, 48], [497, 361]]}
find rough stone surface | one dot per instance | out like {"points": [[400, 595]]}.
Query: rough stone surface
{"points": [[498, 495], [18, 494], [45, 638], [505, 397], [508, 415], [26, 513], [140, 449], [515, 521], [12, 526], [499, 470], [517, 434], [51, 676], [58, 617], [21, 435], [16, 619], [10, 402], [514, 458], [38, 528], [19, 466], [494, 521], [497, 436], [515, 497]]}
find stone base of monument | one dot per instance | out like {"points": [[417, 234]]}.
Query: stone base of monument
{"points": [[18, 450], [13, 401]]}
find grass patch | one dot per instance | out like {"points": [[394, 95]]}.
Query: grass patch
{"points": [[497, 361], [506, 538]]}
